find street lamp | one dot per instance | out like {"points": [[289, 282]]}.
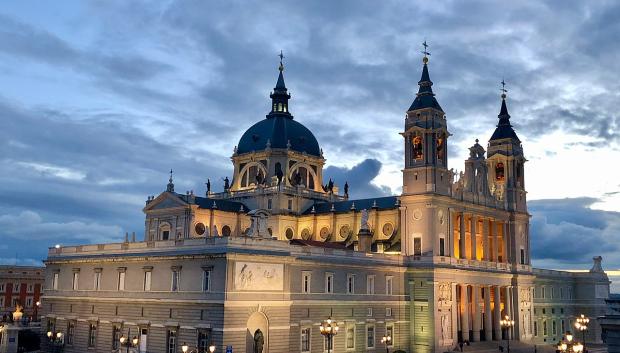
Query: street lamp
{"points": [[582, 325], [329, 329], [55, 340], [386, 339], [507, 324], [185, 348], [125, 340], [36, 310], [568, 345]]}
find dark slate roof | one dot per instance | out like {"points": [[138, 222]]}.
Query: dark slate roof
{"points": [[504, 128], [320, 244], [223, 205], [425, 98], [383, 203], [279, 130]]}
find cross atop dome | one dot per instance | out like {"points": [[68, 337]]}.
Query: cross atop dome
{"points": [[280, 95]]}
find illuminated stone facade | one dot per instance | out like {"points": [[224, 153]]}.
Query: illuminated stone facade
{"points": [[20, 286], [282, 249]]}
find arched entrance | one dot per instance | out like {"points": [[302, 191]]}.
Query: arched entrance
{"points": [[257, 333]]}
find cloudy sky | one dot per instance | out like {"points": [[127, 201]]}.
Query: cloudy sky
{"points": [[98, 100]]}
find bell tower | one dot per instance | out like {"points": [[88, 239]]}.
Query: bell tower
{"points": [[506, 162], [426, 136]]}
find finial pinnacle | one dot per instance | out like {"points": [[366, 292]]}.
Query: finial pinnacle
{"points": [[425, 52], [281, 55], [503, 89], [170, 180]]}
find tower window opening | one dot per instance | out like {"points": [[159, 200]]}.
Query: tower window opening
{"points": [[279, 107], [499, 171], [418, 151], [440, 148]]}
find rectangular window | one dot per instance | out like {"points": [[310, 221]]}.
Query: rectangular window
{"points": [[204, 340], [561, 292], [55, 281], [369, 312], [76, 279], [306, 281], [370, 284], [1, 287], [350, 284], [16, 287], [1, 302], [563, 326], [269, 204], [554, 329], [92, 335], [97, 281], [29, 302], [329, 282], [388, 312], [522, 257], [116, 336], [536, 328], [389, 280], [350, 336], [389, 332], [206, 280], [290, 205], [544, 323], [305, 339], [165, 235], [147, 280], [175, 280], [370, 336], [70, 332], [542, 292], [121, 281], [417, 246], [30, 288], [171, 341], [442, 247]]}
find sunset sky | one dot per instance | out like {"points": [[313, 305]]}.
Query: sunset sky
{"points": [[100, 99]]}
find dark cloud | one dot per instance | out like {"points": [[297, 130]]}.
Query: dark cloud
{"points": [[359, 178], [567, 233]]}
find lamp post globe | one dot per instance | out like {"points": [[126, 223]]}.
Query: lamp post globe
{"points": [[507, 323], [211, 348], [386, 340], [329, 329]]}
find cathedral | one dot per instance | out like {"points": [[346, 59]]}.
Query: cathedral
{"points": [[262, 266]]}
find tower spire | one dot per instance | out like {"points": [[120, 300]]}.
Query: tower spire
{"points": [[425, 98], [170, 186], [280, 96], [504, 128]]}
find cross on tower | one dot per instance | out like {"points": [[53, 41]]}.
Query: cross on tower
{"points": [[503, 89], [425, 51], [170, 175]]}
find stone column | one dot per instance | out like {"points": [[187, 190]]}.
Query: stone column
{"points": [[464, 313], [474, 248], [507, 307], [485, 240], [488, 319], [497, 315], [475, 298], [462, 247]]}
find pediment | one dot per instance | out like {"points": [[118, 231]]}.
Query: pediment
{"points": [[163, 201]]}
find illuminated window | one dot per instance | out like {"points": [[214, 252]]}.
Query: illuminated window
{"points": [[417, 148], [499, 171], [305, 339], [92, 335], [350, 336], [370, 336]]}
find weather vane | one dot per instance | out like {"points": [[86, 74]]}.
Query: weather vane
{"points": [[503, 89]]}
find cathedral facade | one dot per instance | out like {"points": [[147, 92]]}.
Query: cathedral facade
{"points": [[260, 266]]}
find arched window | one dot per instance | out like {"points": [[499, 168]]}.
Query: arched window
{"points": [[499, 171], [279, 107], [417, 148], [226, 231], [252, 176], [441, 150], [302, 176]]}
